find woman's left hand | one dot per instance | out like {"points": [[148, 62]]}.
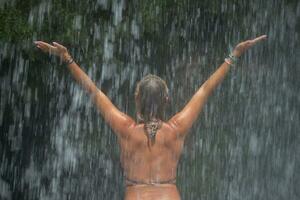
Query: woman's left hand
{"points": [[244, 46]]}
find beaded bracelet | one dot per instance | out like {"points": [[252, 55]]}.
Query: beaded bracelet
{"points": [[69, 61]]}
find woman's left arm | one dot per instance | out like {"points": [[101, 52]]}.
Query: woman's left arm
{"points": [[119, 121], [185, 118]]}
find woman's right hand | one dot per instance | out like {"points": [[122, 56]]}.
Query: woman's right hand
{"points": [[55, 49]]}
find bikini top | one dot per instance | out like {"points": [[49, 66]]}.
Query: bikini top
{"points": [[130, 182]]}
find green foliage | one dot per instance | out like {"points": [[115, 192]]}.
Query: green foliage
{"points": [[13, 25]]}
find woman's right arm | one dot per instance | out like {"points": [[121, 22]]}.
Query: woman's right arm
{"points": [[119, 121], [184, 119]]}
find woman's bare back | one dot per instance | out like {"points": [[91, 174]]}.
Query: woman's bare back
{"points": [[150, 169]]}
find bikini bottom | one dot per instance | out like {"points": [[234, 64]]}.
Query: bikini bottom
{"points": [[130, 182]]}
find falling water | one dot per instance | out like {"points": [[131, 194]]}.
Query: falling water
{"points": [[55, 145]]}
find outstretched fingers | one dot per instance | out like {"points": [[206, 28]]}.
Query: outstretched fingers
{"points": [[59, 46], [46, 47], [43, 45], [243, 46], [258, 39]]}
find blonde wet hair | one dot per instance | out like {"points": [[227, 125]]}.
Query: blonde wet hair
{"points": [[151, 96]]}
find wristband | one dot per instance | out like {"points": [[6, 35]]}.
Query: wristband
{"points": [[228, 61], [231, 60]]}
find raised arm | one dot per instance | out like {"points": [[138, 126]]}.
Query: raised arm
{"points": [[119, 121], [184, 119]]}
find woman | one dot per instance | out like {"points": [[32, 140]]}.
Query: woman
{"points": [[150, 146]]}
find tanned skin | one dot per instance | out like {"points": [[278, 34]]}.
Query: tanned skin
{"points": [[159, 162]]}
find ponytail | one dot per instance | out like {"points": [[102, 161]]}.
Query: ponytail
{"points": [[151, 127]]}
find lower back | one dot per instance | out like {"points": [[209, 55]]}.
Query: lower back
{"points": [[152, 192]]}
